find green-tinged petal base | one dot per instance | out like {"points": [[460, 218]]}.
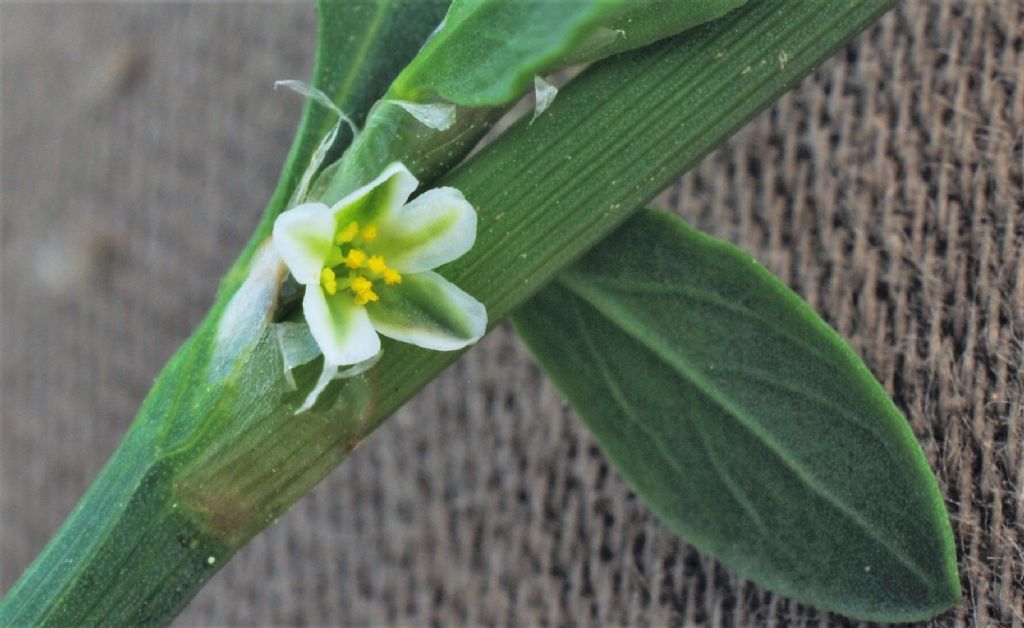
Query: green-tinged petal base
{"points": [[384, 194], [430, 312], [434, 229], [341, 328]]}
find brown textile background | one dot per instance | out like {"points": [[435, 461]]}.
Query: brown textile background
{"points": [[141, 141]]}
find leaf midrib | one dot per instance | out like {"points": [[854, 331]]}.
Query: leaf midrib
{"points": [[714, 300], [677, 363], [616, 392]]}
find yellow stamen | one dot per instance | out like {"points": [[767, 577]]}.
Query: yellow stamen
{"points": [[391, 276], [363, 289], [369, 233], [376, 265], [365, 297], [348, 234], [361, 284], [356, 258], [328, 281]]}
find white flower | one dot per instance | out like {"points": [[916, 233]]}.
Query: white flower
{"points": [[367, 266]]}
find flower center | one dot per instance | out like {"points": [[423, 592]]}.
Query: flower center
{"points": [[349, 256]]}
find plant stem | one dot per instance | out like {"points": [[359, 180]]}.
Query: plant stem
{"points": [[216, 454]]}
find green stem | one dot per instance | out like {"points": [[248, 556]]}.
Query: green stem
{"points": [[216, 453], [126, 551]]}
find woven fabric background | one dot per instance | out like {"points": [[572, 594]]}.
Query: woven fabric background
{"points": [[140, 141]]}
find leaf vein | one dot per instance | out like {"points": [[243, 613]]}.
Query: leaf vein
{"points": [[684, 369]]}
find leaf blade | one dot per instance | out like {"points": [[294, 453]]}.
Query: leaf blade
{"points": [[839, 509], [488, 51]]}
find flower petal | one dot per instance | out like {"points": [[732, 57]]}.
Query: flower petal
{"points": [[341, 328], [303, 237], [386, 193], [435, 228], [429, 311]]}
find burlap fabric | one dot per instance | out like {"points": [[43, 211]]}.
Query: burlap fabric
{"points": [[140, 142]]}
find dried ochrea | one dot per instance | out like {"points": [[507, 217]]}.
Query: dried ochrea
{"points": [[367, 266]]}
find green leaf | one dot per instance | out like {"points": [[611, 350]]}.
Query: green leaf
{"points": [[745, 422], [488, 51], [637, 23]]}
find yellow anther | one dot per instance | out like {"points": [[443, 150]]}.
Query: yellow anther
{"points": [[369, 233], [363, 289], [328, 281], [376, 265], [365, 297], [348, 234], [391, 276], [356, 258], [361, 284]]}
